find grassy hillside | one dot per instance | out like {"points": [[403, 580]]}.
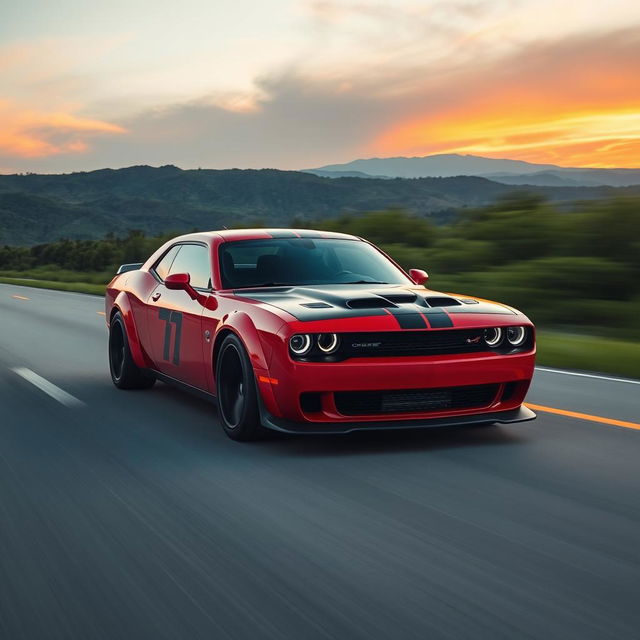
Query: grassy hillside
{"points": [[43, 208]]}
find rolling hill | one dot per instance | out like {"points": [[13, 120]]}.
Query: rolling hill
{"points": [[42, 208]]}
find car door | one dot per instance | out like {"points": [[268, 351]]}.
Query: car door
{"points": [[174, 320]]}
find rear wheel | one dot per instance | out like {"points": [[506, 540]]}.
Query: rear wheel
{"points": [[236, 391], [124, 371]]}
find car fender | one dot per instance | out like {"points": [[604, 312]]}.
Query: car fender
{"points": [[241, 324], [123, 304]]}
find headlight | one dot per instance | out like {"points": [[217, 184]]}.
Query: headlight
{"points": [[493, 336], [300, 344], [516, 335], [327, 342]]}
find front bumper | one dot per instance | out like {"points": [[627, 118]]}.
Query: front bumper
{"points": [[282, 386], [521, 414]]}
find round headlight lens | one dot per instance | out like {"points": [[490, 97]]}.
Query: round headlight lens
{"points": [[516, 335], [493, 336], [300, 344], [327, 342]]}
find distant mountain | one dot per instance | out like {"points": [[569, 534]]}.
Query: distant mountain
{"points": [[502, 170], [437, 166], [343, 174], [42, 208]]}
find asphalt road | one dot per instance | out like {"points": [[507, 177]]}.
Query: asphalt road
{"points": [[131, 515]]}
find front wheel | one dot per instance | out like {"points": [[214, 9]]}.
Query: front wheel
{"points": [[125, 374], [236, 391]]}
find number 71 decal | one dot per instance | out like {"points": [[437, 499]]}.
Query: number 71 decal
{"points": [[171, 317]]}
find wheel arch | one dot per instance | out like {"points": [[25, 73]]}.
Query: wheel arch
{"points": [[259, 350], [122, 305], [217, 343]]}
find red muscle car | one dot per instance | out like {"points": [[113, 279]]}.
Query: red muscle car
{"points": [[314, 332]]}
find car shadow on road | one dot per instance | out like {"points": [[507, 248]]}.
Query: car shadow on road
{"points": [[398, 441]]}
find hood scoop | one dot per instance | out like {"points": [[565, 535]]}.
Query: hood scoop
{"points": [[316, 305], [441, 301], [399, 298], [369, 303], [382, 300]]}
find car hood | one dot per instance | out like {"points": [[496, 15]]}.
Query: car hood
{"points": [[410, 305]]}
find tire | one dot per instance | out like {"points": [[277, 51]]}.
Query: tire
{"points": [[237, 392], [125, 374]]}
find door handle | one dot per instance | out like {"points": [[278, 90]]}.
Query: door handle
{"points": [[155, 296]]}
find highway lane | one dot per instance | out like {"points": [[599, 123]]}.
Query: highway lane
{"points": [[134, 516]]}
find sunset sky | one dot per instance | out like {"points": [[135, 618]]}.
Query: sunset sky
{"points": [[301, 83]]}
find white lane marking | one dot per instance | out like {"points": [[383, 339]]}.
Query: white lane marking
{"points": [[587, 375], [48, 387]]}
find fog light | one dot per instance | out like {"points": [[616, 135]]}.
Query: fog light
{"points": [[493, 336], [300, 344]]}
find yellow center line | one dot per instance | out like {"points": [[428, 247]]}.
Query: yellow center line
{"points": [[585, 416], [17, 297], [101, 313]]}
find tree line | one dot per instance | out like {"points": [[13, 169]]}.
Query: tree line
{"points": [[568, 267]]}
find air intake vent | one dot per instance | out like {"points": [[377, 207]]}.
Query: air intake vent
{"points": [[354, 403], [400, 298], [442, 301], [369, 303], [316, 305]]}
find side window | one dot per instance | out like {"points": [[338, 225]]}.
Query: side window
{"points": [[194, 260], [162, 267]]}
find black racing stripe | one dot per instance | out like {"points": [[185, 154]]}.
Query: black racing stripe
{"points": [[437, 318], [282, 234], [408, 320]]}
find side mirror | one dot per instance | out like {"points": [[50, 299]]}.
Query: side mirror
{"points": [[181, 282], [418, 276]]}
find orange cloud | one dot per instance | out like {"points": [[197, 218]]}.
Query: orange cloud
{"points": [[30, 133], [576, 103]]}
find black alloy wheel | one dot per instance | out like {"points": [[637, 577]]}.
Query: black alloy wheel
{"points": [[125, 374], [237, 392]]}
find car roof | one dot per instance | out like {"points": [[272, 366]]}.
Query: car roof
{"points": [[229, 235]]}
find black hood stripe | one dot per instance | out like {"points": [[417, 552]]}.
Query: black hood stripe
{"points": [[408, 320], [438, 319]]}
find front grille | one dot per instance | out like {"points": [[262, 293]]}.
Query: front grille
{"points": [[361, 403], [411, 343]]}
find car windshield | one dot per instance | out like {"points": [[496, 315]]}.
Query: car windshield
{"points": [[304, 261]]}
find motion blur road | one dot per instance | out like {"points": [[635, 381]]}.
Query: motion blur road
{"points": [[131, 514]]}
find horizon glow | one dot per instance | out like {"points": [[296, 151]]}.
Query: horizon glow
{"points": [[294, 84]]}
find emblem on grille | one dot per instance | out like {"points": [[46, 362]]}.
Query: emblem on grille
{"points": [[473, 340], [365, 345]]}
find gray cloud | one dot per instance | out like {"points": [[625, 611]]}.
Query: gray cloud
{"points": [[304, 121]]}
